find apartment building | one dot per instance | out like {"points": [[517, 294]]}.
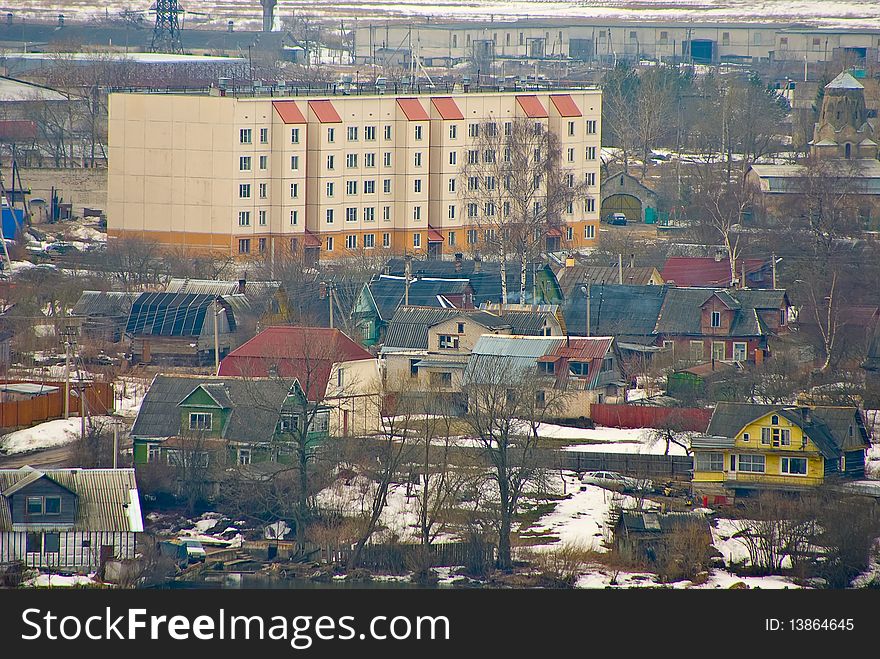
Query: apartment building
{"points": [[335, 175]]}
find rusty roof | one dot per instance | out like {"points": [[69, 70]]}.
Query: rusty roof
{"points": [[532, 106], [325, 112], [447, 107], [289, 112], [413, 109], [565, 105]]}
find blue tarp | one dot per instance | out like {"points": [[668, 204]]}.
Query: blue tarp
{"points": [[13, 219]]}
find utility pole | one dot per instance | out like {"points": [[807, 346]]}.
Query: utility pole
{"points": [[330, 295], [68, 335], [620, 269], [115, 443], [407, 271], [586, 292], [773, 268]]}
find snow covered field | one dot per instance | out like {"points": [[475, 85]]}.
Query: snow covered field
{"points": [[246, 14]]}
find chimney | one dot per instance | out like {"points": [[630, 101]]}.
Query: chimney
{"points": [[458, 257], [242, 283], [407, 274], [632, 260], [478, 263], [807, 414], [569, 261], [717, 256]]}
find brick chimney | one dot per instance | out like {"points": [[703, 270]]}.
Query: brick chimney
{"points": [[458, 257], [478, 263], [242, 283]]}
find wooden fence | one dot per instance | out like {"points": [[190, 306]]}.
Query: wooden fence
{"points": [[648, 416], [633, 464], [30, 411], [402, 558]]}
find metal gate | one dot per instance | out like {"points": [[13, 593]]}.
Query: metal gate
{"points": [[622, 203]]}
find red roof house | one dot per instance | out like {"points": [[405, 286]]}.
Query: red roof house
{"points": [[304, 353], [713, 273]]}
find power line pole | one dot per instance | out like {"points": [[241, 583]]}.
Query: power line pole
{"points": [[330, 294], [216, 313], [166, 32], [68, 336]]}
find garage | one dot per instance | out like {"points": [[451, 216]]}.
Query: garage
{"points": [[622, 203], [703, 50]]}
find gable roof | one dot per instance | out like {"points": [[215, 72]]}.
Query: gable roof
{"points": [[697, 271], [826, 426], [107, 499], [325, 112], [844, 80], [680, 311], [255, 405], [572, 277], [389, 291], [172, 314], [413, 109], [103, 303], [306, 354], [615, 310], [565, 105], [532, 107]]}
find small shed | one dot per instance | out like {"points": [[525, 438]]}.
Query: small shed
{"points": [[647, 537]]}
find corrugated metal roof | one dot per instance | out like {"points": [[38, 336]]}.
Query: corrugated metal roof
{"points": [[222, 287], [624, 312], [106, 498], [289, 112], [691, 271], [584, 348], [565, 105], [171, 314], [447, 108], [844, 80], [389, 291], [574, 276], [680, 313], [413, 109]]}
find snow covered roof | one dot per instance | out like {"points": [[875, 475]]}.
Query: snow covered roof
{"points": [[844, 81]]}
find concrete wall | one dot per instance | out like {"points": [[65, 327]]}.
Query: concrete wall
{"points": [[84, 188]]}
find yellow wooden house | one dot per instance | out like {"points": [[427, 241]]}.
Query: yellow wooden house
{"points": [[748, 448]]}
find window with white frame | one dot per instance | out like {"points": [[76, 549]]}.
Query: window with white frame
{"points": [[244, 163], [473, 156], [351, 241], [570, 155], [386, 240], [751, 463], [591, 153], [244, 190], [369, 160], [473, 130], [351, 187], [386, 186], [590, 178], [369, 133], [716, 319], [331, 188], [386, 159], [591, 127], [262, 216], [329, 216], [590, 205], [244, 136], [244, 218], [794, 466], [331, 134], [417, 159], [264, 162], [329, 243], [589, 231], [331, 161], [294, 162], [244, 246], [263, 189], [369, 187], [369, 240], [417, 240], [452, 185], [417, 212], [351, 214], [294, 217], [418, 132], [294, 190], [451, 212], [472, 236], [387, 132], [453, 157], [450, 237], [417, 185], [490, 183], [570, 128], [351, 160], [569, 233], [471, 210], [453, 131], [352, 133], [708, 461], [739, 351], [369, 214], [200, 420], [386, 213], [244, 456], [294, 135], [264, 136], [473, 183]]}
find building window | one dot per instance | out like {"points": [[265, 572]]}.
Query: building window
{"points": [[751, 463], [369, 240], [451, 212], [472, 236], [739, 351], [331, 161], [473, 183], [473, 157], [696, 351], [414, 368], [709, 462], [472, 210], [417, 240], [351, 160], [386, 240], [330, 188], [244, 136], [264, 136], [453, 157], [716, 319], [261, 244], [329, 243], [154, 453], [664, 38], [591, 153], [294, 190], [473, 130], [263, 189], [329, 216], [369, 187], [387, 132], [452, 185], [590, 205], [351, 214], [569, 233], [453, 131], [200, 420], [51, 543], [244, 191], [774, 420], [369, 160], [262, 215], [294, 135], [34, 505], [351, 187], [369, 133], [244, 163], [352, 133], [34, 543], [386, 186], [570, 128], [331, 134], [386, 159], [794, 466], [441, 379], [386, 213], [417, 185], [244, 456], [451, 238], [294, 162], [244, 218], [370, 214], [447, 342], [418, 132], [591, 178], [417, 213], [264, 162], [589, 232], [351, 241], [294, 217], [417, 159], [725, 38], [591, 127], [539, 128]]}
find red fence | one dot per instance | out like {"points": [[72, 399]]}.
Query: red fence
{"points": [[646, 416], [30, 411]]}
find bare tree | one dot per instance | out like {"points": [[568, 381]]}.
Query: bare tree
{"points": [[516, 190]]}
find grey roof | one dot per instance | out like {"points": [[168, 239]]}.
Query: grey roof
{"points": [[255, 403], [172, 314], [12, 90], [625, 312], [222, 287], [639, 521], [504, 358], [572, 276], [389, 292], [872, 360], [844, 80], [828, 427], [103, 303], [680, 311], [107, 499]]}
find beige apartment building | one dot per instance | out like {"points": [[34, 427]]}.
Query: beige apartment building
{"points": [[337, 175]]}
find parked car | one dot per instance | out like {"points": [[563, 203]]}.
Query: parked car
{"points": [[194, 549], [59, 248], [611, 480], [617, 219]]}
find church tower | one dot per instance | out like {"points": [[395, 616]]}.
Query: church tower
{"points": [[843, 130]]}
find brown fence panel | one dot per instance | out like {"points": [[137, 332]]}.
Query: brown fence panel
{"points": [[25, 413], [645, 416]]}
